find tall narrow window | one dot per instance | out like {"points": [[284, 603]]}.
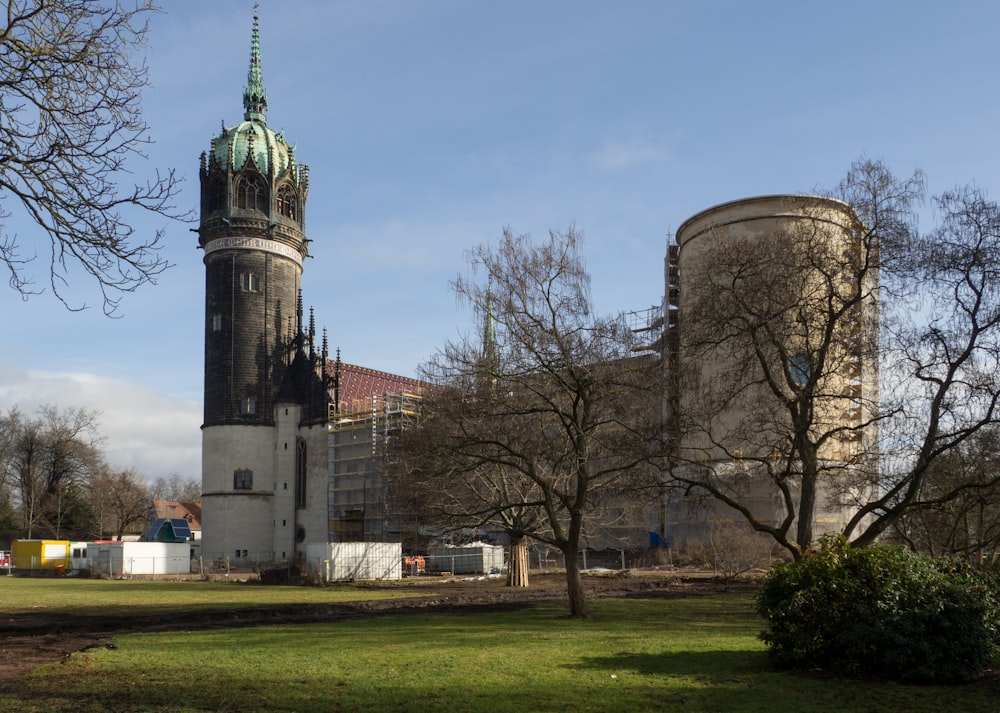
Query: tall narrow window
{"points": [[300, 474], [285, 202], [249, 282], [248, 406], [216, 322]]}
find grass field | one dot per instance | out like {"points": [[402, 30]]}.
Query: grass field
{"points": [[94, 597], [690, 654]]}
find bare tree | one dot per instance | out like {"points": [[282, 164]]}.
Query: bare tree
{"points": [[8, 479], [941, 355], [72, 456], [798, 316], [959, 502], [8, 431], [737, 548], [71, 80], [176, 488], [120, 501], [50, 460], [451, 503], [546, 418], [24, 463]]}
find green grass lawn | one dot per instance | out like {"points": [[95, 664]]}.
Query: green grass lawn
{"points": [[94, 597], [692, 654]]}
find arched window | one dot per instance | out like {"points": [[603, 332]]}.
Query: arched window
{"points": [[286, 202], [251, 193]]}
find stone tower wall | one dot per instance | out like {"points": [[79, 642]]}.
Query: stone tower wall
{"points": [[250, 304]]}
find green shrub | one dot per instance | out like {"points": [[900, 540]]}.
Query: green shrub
{"points": [[880, 611]]}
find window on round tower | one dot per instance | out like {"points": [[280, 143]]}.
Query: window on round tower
{"points": [[248, 406], [800, 369], [286, 202], [251, 192], [243, 479], [249, 282]]}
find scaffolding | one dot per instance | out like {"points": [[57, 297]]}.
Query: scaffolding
{"points": [[648, 323], [358, 502], [655, 327]]}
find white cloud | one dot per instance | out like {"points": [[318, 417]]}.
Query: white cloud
{"points": [[154, 433]]}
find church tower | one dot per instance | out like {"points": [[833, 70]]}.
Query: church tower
{"points": [[264, 380]]}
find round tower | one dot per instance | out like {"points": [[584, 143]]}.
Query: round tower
{"points": [[253, 195], [252, 231], [771, 363]]}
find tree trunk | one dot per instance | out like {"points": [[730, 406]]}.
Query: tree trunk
{"points": [[578, 606], [807, 497], [517, 570]]}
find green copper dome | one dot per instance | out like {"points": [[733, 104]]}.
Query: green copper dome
{"points": [[252, 140]]}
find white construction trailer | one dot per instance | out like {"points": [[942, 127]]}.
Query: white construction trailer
{"points": [[126, 559]]}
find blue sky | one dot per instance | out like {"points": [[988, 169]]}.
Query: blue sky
{"points": [[430, 125]]}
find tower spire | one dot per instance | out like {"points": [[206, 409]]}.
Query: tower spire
{"points": [[489, 327], [254, 94]]}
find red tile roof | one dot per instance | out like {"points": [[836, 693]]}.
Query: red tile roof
{"points": [[171, 508], [358, 384]]}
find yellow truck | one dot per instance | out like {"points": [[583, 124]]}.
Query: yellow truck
{"points": [[29, 555]]}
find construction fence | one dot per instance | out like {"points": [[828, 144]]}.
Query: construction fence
{"points": [[470, 559], [327, 562], [107, 566], [124, 567], [542, 559]]}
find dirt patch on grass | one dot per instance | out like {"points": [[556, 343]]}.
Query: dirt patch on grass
{"points": [[31, 640]]}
